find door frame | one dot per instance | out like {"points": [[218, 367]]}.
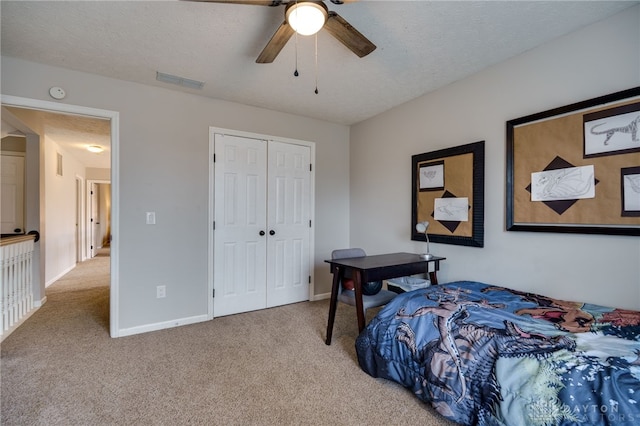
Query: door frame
{"points": [[312, 199], [89, 224], [80, 226], [114, 121]]}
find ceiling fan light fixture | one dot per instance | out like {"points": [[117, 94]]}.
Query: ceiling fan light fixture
{"points": [[96, 149], [306, 17]]}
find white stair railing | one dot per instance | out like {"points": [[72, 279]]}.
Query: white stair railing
{"points": [[16, 289]]}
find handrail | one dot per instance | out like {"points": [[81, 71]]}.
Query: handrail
{"points": [[4, 241]]}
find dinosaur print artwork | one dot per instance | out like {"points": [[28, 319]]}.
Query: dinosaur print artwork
{"points": [[619, 132], [563, 184], [631, 189], [452, 208], [489, 355], [631, 129]]}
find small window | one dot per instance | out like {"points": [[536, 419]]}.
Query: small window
{"points": [[59, 165]]}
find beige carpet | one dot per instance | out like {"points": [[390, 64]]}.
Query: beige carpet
{"points": [[267, 367]]}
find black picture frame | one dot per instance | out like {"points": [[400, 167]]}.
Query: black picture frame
{"points": [[563, 145], [448, 234], [630, 191]]}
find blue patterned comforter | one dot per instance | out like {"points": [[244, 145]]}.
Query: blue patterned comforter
{"points": [[487, 355]]}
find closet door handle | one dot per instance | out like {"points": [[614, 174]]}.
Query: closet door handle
{"points": [[262, 233], [272, 232]]}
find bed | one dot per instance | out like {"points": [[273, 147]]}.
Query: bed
{"points": [[488, 355]]}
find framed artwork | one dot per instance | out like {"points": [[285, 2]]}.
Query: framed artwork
{"points": [[448, 192], [576, 168], [612, 131], [630, 191]]}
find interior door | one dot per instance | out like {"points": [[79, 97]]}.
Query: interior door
{"points": [[289, 214], [12, 190], [239, 248], [78, 220], [95, 219]]}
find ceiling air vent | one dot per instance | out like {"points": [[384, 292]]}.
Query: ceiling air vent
{"points": [[180, 81]]}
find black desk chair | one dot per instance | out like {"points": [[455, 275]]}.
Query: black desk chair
{"points": [[348, 296]]}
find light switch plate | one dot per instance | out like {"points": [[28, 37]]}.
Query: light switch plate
{"points": [[151, 218]]}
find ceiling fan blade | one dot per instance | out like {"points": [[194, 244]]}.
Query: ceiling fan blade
{"points": [[253, 2], [349, 36], [275, 45], [267, 2]]}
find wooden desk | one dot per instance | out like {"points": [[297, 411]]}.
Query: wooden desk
{"points": [[375, 268]]}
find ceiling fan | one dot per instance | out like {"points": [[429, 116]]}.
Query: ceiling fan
{"points": [[295, 10]]}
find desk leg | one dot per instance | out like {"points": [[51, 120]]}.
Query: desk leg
{"points": [[357, 283], [432, 275], [337, 273]]}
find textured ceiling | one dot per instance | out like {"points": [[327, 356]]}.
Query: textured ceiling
{"points": [[74, 133], [421, 46]]}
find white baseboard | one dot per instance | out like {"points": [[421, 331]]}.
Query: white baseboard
{"points": [[5, 334], [60, 275], [160, 326], [322, 296]]}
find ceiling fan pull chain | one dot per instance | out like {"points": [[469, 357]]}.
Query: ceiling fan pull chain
{"points": [[316, 91], [295, 73]]}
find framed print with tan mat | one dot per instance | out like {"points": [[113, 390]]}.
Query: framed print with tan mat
{"points": [[448, 192], [576, 168]]}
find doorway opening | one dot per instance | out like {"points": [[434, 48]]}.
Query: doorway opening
{"points": [[60, 203], [99, 217]]}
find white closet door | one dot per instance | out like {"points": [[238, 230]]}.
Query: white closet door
{"points": [[289, 192], [240, 216], [12, 203]]}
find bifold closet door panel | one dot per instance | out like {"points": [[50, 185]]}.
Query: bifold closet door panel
{"points": [[240, 239], [288, 212]]}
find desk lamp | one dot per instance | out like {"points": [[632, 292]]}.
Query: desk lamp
{"points": [[422, 228]]}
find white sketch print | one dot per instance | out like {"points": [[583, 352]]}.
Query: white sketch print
{"points": [[456, 209], [563, 184], [632, 192], [428, 175], [450, 209], [631, 128], [634, 183], [432, 176]]}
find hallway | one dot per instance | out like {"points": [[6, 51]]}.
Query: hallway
{"points": [[84, 291]]}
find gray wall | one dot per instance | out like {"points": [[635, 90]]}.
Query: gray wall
{"points": [[600, 59], [363, 200], [163, 165]]}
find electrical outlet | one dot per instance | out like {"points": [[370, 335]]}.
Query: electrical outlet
{"points": [[161, 291]]}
